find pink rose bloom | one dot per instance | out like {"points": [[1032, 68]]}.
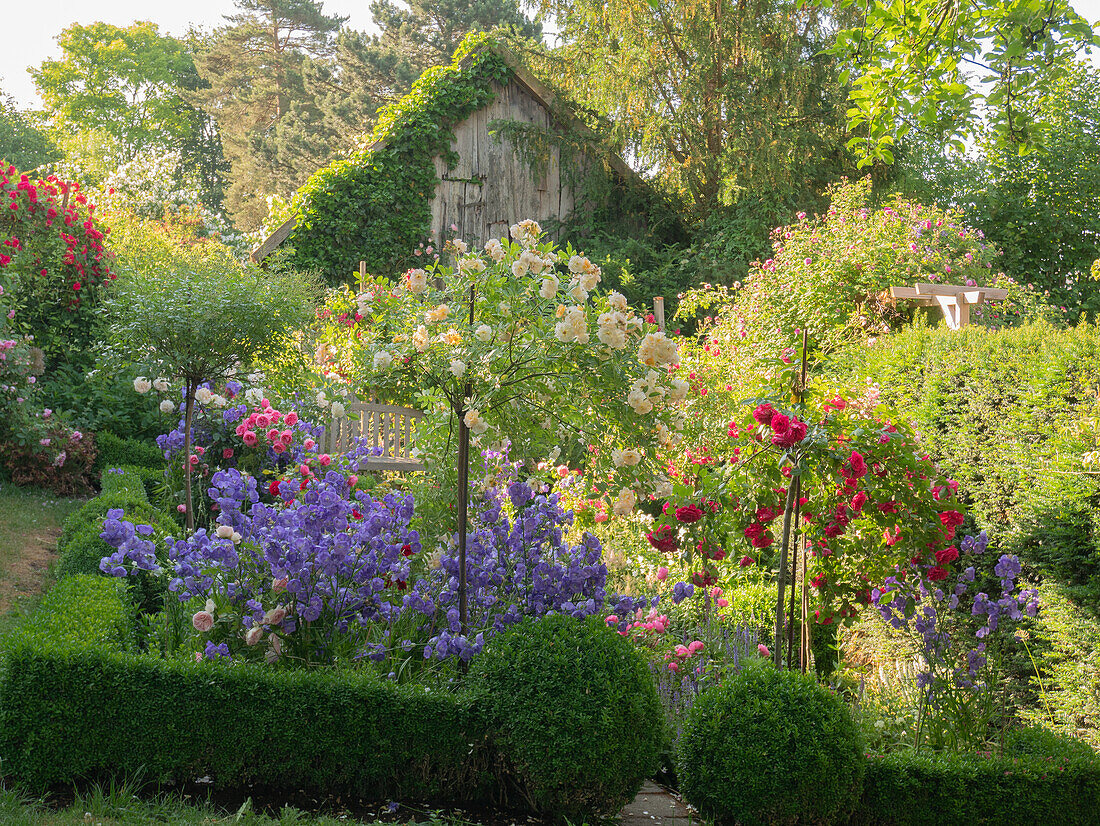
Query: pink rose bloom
{"points": [[274, 616], [287, 437], [673, 667], [264, 403], [763, 649], [722, 603], [181, 508], [194, 459], [200, 450], [250, 438], [682, 651], [695, 646], [279, 584], [309, 444], [353, 481], [278, 447], [254, 635], [291, 419], [203, 621], [228, 453], [662, 573], [262, 420], [304, 470], [601, 516], [325, 459]]}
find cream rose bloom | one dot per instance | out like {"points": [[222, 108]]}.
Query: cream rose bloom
{"points": [[657, 349], [383, 359], [458, 368], [417, 281], [549, 287], [627, 457], [679, 391], [142, 385], [483, 333], [625, 502], [473, 420], [617, 301], [440, 313], [495, 250]]}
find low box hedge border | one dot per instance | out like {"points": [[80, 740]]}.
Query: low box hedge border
{"points": [[78, 702], [925, 790]]}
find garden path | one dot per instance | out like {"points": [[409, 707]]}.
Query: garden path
{"points": [[656, 806]]}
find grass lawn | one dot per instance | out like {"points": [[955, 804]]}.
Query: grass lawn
{"points": [[121, 807], [30, 522]]}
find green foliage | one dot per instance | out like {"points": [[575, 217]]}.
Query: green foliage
{"points": [[23, 141], [770, 746], [100, 401], [908, 67], [81, 613], [909, 789], [723, 101], [573, 712], [1011, 416], [375, 204], [195, 313], [118, 451]]}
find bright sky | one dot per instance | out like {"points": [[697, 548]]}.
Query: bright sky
{"points": [[38, 22]]}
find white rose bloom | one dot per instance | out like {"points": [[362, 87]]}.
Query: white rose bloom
{"points": [[142, 385], [578, 293], [534, 262], [679, 391], [161, 385], [625, 502], [338, 410], [219, 401], [471, 265], [458, 368], [612, 337], [322, 401], [483, 333], [417, 281], [225, 532], [663, 489], [459, 246], [617, 301], [577, 264], [549, 287], [588, 281], [520, 268], [203, 396], [526, 232], [420, 339], [254, 395], [383, 359], [627, 457], [639, 401], [495, 250], [473, 420], [167, 407]]}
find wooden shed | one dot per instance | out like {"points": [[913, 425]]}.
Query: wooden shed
{"points": [[494, 183]]}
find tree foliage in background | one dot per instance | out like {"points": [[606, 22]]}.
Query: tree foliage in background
{"points": [[23, 141], [131, 84], [720, 100], [909, 63]]}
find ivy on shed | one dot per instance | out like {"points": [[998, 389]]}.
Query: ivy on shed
{"points": [[375, 205]]}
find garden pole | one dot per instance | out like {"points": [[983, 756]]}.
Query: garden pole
{"points": [[463, 502], [189, 515], [788, 509], [796, 483]]}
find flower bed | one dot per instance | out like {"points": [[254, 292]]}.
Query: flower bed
{"points": [[78, 702]]}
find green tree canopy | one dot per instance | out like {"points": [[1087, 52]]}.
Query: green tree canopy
{"points": [[23, 141], [720, 100], [910, 63]]}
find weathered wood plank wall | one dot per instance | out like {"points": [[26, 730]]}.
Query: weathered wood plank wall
{"points": [[492, 187]]}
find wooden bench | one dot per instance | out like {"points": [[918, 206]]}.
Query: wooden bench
{"points": [[387, 426]]}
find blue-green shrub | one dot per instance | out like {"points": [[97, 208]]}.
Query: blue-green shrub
{"points": [[770, 746]]}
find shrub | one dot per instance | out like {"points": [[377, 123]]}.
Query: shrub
{"points": [[117, 451], [61, 461], [572, 711], [79, 613], [126, 480], [912, 789], [831, 275], [770, 746]]}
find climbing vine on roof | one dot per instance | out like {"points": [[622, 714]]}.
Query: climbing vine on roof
{"points": [[375, 205]]}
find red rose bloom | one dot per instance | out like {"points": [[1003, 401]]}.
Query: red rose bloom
{"points": [[946, 555], [689, 513], [937, 573], [858, 501], [951, 519], [746, 561], [764, 413]]}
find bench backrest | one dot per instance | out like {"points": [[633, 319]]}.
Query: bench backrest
{"points": [[387, 426]]}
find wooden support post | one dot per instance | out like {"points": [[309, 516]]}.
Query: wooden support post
{"points": [[659, 312], [362, 276]]}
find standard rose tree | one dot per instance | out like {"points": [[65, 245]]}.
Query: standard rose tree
{"points": [[196, 318]]}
